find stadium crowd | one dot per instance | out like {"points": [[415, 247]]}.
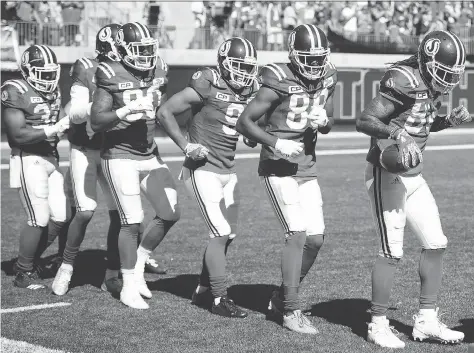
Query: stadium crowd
{"points": [[266, 23]]}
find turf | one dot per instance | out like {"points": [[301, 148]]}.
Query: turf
{"points": [[336, 291]]}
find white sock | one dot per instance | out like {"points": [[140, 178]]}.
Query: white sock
{"points": [[128, 278], [428, 312], [111, 274], [217, 300], [201, 289], [67, 267], [378, 319], [142, 255]]}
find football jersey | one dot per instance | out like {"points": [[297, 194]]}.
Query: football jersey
{"points": [[83, 74], [131, 140], [415, 108], [213, 123], [288, 118], [38, 110]]}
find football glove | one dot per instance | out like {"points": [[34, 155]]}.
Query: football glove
{"points": [[318, 117], [132, 111], [250, 143], [58, 128], [195, 151], [288, 148], [458, 116], [411, 154]]}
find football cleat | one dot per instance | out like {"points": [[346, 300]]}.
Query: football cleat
{"points": [[429, 326], [151, 266], [275, 306], [142, 287], [297, 322], [227, 308], [203, 299], [383, 335], [132, 298], [60, 284], [50, 268], [29, 280], [112, 285]]}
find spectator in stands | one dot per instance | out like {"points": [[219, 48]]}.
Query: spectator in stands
{"points": [[274, 26], [72, 15], [380, 15], [364, 26], [27, 17], [290, 21], [200, 19]]}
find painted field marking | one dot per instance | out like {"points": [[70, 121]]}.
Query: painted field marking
{"points": [[33, 307], [13, 346]]}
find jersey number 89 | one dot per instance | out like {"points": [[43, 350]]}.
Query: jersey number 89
{"points": [[300, 106], [152, 93]]}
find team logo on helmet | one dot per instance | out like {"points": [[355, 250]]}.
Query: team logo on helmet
{"points": [[196, 75], [119, 38], [432, 46], [224, 49], [389, 83], [25, 58], [105, 34], [291, 39], [4, 95]]}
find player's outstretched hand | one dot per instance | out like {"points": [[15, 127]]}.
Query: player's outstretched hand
{"points": [[195, 151], [63, 124], [318, 117], [288, 148], [250, 143], [411, 153], [459, 115]]}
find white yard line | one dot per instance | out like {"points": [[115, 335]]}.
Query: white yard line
{"points": [[331, 136], [336, 152], [12, 346], [33, 307]]}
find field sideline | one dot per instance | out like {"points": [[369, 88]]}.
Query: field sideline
{"points": [[336, 292]]}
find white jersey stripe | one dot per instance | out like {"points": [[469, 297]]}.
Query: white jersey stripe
{"points": [[89, 62], [112, 72], [277, 74], [22, 84], [407, 74], [13, 83], [319, 44], [45, 56], [458, 50], [105, 71], [84, 63], [311, 36], [279, 69], [411, 74]]}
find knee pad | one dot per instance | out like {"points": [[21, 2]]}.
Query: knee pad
{"points": [[439, 242], [39, 217]]}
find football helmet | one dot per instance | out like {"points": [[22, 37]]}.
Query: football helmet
{"points": [[309, 51], [39, 67], [441, 58], [137, 48], [105, 42], [237, 62]]}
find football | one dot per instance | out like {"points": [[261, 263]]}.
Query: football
{"points": [[391, 159]]}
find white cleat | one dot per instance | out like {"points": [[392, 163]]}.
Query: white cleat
{"points": [[297, 322], [429, 326], [61, 280], [383, 335], [132, 298], [142, 287]]}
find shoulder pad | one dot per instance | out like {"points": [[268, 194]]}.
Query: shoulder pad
{"points": [[400, 83], [78, 71], [272, 76], [105, 72], [330, 79], [203, 80], [13, 93], [162, 65]]}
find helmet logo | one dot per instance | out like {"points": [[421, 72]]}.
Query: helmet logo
{"points": [[196, 75], [105, 34], [25, 58], [119, 38], [224, 49], [432, 46], [291, 39]]}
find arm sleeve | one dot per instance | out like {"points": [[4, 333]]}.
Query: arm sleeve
{"points": [[80, 105], [201, 82]]}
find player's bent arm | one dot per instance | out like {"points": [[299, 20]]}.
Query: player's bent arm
{"points": [[329, 107], [17, 130], [80, 106], [375, 118], [102, 116], [177, 104], [246, 124]]}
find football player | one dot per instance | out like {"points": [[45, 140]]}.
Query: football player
{"points": [[33, 121], [297, 100], [85, 170], [127, 95], [217, 98], [405, 111]]}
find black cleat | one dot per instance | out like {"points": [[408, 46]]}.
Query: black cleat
{"points": [[112, 285], [151, 266], [203, 300], [29, 280], [227, 308]]}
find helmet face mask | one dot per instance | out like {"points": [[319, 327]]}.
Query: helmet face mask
{"points": [[237, 62], [309, 51], [444, 78], [42, 76]]}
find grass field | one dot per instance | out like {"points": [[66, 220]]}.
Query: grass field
{"points": [[336, 292]]}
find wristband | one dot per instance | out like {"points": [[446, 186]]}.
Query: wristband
{"points": [[50, 131], [89, 106], [395, 133], [122, 112]]}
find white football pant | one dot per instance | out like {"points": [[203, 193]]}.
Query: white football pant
{"points": [[218, 199], [128, 177], [297, 203], [396, 199]]}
